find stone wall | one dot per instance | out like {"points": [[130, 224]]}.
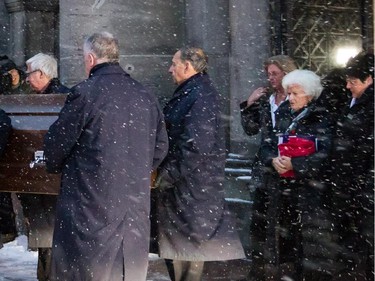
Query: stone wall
{"points": [[149, 33], [29, 27], [233, 33], [4, 30]]}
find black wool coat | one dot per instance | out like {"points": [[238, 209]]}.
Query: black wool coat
{"points": [[302, 207], [194, 222], [5, 128], [55, 87], [255, 116], [353, 185], [264, 187], [108, 137], [353, 151], [7, 216]]}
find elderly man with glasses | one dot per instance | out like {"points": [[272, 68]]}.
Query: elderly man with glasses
{"points": [[39, 209], [42, 75]]}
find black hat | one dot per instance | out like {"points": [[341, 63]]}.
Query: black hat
{"points": [[6, 64], [361, 66]]}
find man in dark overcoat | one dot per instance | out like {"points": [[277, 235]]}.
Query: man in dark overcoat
{"points": [[353, 174], [194, 222], [39, 209], [109, 136]]}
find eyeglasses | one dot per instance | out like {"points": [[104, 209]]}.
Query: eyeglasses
{"points": [[31, 72], [274, 74]]}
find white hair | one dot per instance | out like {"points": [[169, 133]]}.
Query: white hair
{"points": [[308, 80], [45, 63]]}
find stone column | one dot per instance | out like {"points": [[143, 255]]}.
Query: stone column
{"points": [[33, 28], [42, 17], [250, 47], [17, 22], [207, 26]]}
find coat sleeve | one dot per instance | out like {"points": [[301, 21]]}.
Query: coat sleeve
{"points": [[313, 165], [250, 118], [268, 145], [161, 144], [5, 128], [64, 133]]}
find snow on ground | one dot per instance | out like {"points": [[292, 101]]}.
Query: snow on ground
{"points": [[19, 264], [16, 262]]}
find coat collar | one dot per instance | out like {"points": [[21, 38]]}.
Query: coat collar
{"points": [[55, 87], [187, 85], [106, 68], [311, 105], [367, 95]]}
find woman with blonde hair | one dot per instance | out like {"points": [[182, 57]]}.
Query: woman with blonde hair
{"points": [[260, 112], [262, 105]]}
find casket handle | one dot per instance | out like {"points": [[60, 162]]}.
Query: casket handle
{"points": [[38, 158]]}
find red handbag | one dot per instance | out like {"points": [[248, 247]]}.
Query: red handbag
{"points": [[296, 146]]}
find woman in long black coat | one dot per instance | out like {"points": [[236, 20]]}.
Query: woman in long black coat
{"points": [[263, 109], [353, 174], [303, 231]]}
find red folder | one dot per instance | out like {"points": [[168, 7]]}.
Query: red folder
{"points": [[296, 146]]}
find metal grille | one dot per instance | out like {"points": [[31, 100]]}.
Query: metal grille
{"points": [[312, 31]]}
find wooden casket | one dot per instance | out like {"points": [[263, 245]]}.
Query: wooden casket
{"points": [[31, 117]]}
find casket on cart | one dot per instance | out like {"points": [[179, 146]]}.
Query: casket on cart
{"points": [[21, 169]]}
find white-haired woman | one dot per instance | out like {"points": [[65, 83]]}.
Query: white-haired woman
{"points": [[302, 254]]}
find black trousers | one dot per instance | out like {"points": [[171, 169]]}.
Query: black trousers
{"points": [[44, 264]]}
